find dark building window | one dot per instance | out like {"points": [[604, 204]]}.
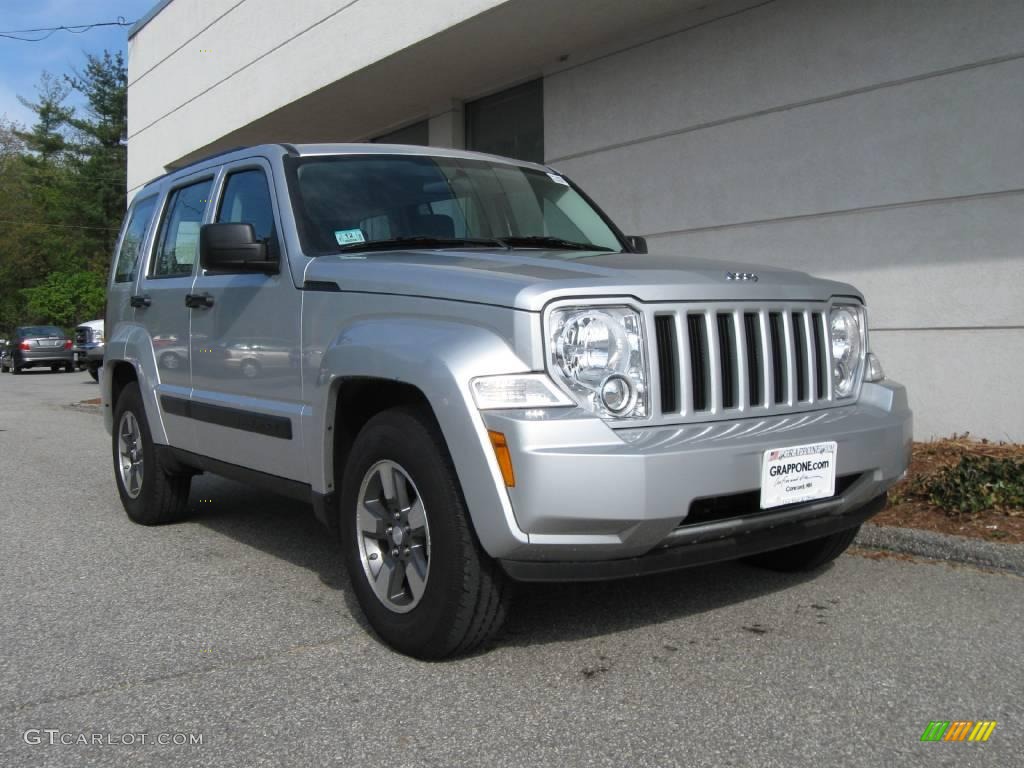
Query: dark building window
{"points": [[510, 123], [417, 133]]}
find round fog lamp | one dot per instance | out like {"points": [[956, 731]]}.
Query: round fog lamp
{"points": [[617, 393]]}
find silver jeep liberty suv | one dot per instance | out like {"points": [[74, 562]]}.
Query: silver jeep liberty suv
{"points": [[476, 378]]}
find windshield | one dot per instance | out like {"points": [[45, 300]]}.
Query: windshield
{"points": [[352, 202], [39, 332]]}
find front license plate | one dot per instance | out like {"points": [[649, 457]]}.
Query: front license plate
{"points": [[796, 474]]}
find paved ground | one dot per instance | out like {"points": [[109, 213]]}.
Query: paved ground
{"points": [[239, 626]]}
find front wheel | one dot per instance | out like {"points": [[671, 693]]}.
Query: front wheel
{"points": [[419, 573], [151, 492], [807, 556]]}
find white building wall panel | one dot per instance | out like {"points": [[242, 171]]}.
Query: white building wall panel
{"points": [[219, 76]]}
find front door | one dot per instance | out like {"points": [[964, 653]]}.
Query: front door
{"points": [[161, 305], [246, 385]]}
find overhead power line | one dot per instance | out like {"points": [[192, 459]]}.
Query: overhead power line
{"points": [[75, 29]]}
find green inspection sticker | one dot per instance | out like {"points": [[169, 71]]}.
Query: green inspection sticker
{"points": [[348, 236]]}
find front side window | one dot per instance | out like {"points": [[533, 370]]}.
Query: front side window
{"points": [[178, 243], [247, 200], [131, 244], [351, 202]]}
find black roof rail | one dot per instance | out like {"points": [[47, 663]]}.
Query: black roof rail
{"points": [[168, 171], [205, 158], [289, 148]]}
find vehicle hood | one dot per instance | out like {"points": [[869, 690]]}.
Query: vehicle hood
{"points": [[528, 279]]}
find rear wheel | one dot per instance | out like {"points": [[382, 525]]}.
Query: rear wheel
{"points": [[807, 556], [94, 371], [54, 368], [69, 367], [15, 370], [419, 573], [151, 492], [4, 367]]}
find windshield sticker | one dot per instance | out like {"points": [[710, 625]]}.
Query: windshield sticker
{"points": [[557, 179], [349, 236]]}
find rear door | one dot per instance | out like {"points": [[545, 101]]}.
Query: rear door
{"points": [[161, 307], [245, 341], [128, 262]]}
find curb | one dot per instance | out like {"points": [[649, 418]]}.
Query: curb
{"points": [[940, 546]]}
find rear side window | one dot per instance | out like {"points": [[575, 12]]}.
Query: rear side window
{"points": [[178, 243], [131, 245]]}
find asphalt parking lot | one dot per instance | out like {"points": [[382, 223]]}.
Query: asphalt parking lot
{"points": [[238, 626]]}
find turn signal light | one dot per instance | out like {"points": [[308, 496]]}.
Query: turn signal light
{"points": [[504, 457]]}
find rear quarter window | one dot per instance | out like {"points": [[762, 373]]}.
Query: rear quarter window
{"points": [[130, 252]]}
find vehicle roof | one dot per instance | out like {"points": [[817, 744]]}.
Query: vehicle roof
{"points": [[90, 324], [315, 150]]}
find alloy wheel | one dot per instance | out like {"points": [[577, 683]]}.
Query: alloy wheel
{"points": [[129, 447], [393, 536]]}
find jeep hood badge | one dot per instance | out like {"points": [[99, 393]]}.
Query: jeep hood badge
{"points": [[752, 276]]}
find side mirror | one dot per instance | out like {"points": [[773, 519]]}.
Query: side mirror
{"points": [[234, 248], [636, 243]]}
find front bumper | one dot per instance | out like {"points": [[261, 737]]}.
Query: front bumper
{"points": [[585, 492], [711, 543]]}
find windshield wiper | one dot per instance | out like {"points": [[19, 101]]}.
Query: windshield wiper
{"points": [[544, 241], [421, 242]]}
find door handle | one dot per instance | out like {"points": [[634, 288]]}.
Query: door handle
{"points": [[198, 300], [140, 301]]}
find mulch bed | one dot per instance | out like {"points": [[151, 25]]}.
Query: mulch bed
{"points": [[907, 510]]}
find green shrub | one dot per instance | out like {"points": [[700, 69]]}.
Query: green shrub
{"points": [[976, 484]]}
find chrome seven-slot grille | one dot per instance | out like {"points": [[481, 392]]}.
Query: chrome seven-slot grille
{"points": [[719, 361]]}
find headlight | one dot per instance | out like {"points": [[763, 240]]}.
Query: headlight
{"points": [[847, 333], [597, 354]]}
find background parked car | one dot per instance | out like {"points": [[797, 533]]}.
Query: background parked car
{"points": [[38, 346], [88, 348]]}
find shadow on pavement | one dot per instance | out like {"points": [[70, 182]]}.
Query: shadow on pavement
{"points": [[541, 613]]}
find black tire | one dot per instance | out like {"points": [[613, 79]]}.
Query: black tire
{"points": [[94, 372], [3, 368], [54, 368], [163, 496], [807, 556], [15, 370], [69, 368], [465, 597]]}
